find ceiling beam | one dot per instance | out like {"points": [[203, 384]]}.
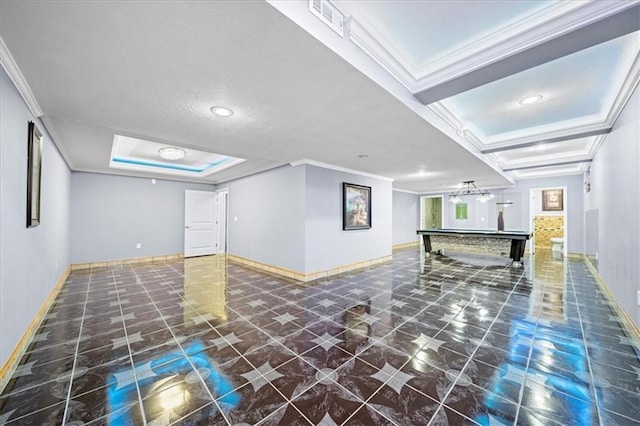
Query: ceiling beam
{"points": [[598, 32], [564, 163], [547, 141]]}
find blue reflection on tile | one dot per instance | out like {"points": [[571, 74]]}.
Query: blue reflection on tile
{"points": [[172, 362], [552, 350]]}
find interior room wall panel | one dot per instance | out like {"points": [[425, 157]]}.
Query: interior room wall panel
{"points": [[327, 244], [406, 217], [266, 217], [615, 189], [31, 260], [111, 214]]}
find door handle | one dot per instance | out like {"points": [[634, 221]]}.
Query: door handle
{"points": [[186, 226]]}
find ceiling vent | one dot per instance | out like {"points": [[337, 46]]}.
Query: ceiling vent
{"points": [[328, 14]]}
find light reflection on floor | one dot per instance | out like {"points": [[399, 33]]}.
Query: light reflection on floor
{"points": [[417, 341]]}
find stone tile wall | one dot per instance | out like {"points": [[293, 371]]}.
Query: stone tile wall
{"points": [[546, 227], [495, 246]]}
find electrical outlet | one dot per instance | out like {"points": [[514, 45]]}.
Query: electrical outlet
{"points": [[638, 297], [139, 245]]}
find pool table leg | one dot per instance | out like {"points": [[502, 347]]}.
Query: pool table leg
{"points": [[517, 250], [427, 244]]}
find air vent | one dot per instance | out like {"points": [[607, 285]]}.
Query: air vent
{"points": [[328, 14]]}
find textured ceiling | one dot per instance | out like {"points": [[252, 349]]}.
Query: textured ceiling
{"points": [[153, 70]]}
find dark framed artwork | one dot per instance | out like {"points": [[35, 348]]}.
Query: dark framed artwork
{"points": [[356, 206], [552, 200], [34, 173]]}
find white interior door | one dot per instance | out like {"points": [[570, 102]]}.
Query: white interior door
{"points": [[200, 229]]}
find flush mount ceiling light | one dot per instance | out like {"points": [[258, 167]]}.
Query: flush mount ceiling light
{"points": [[469, 188], [172, 153], [221, 111], [531, 100]]}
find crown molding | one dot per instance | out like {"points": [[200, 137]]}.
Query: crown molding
{"points": [[538, 164], [452, 121], [557, 20], [12, 69], [630, 83], [338, 169], [382, 53], [565, 133], [514, 38], [48, 125], [546, 141], [406, 191], [519, 175], [464, 137], [597, 144], [582, 127]]}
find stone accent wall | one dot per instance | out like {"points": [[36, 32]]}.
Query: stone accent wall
{"points": [[496, 246], [546, 227]]}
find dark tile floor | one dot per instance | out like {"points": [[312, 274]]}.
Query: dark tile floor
{"points": [[415, 342]]}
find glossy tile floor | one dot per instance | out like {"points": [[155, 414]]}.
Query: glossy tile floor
{"points": [[446, 340]]}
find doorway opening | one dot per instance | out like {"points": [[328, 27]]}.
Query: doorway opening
{"points": [[221, 209], [548, 220], [431, 212]]}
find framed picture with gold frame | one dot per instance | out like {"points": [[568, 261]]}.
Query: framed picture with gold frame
{"points": [[34, 173], [552, 200]]}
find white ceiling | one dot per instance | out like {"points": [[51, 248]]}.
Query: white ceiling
{"points": [[153, 70]]}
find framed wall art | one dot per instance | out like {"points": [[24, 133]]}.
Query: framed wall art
{"points": [[552, 200], [34, 173], [356, 206]]}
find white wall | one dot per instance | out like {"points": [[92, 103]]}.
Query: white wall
{"points": [[615, 194], [31, 260], [406, 217], [477, 215], [111, 214], [270, 212], [327, 245], [515, 215], [291, 217]]}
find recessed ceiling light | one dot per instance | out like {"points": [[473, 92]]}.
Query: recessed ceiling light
{"points": [[221, 111], [172, 153], [531, 100]]}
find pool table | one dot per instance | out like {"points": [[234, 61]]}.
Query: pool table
{"points": [[518, 238]]}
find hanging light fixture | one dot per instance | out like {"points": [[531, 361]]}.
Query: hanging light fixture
{"points": [[469, 188]]}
